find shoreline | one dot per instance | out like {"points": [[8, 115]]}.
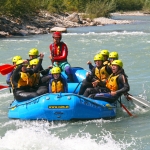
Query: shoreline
{"points": [[45, 23]]}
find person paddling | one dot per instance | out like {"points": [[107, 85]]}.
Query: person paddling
{"points": [[36, 80], [113, 56], [108, 58], [105, 54], [21, 80], [14, 60], [115, 85], [99, 73], [59, 53], [33, 53]]}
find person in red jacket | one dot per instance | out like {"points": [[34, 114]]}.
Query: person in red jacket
{"points": [[59, 53]]}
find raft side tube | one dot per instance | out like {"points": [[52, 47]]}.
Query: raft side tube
{"points": [[79, 74]]}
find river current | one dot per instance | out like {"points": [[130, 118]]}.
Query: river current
{"points": [[132, 42]]}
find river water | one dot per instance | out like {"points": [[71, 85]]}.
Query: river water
{"points": [[132, 42]]}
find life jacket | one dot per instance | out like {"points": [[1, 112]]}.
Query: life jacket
{"points": [[34, 79], [104, 73], [57, 51], [101, 73], [11, 80], [24, 80], [111, 83], [57, 86], [106, 62]]}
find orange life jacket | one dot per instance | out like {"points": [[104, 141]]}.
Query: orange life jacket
{"points": [[111, 83]]}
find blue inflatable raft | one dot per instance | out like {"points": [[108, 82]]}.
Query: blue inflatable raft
{"points": [[63, 106]]}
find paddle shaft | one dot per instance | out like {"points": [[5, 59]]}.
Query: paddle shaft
{"points": [[128, 112], [144, 103]]}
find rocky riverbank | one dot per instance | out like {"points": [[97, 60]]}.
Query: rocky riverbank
{"points": [[44, 23]]}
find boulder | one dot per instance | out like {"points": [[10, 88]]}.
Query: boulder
{"points": [[60, 29], [74, 18], [3, 34]]}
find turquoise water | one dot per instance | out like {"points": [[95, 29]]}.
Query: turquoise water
{"points": [[132, 42]]}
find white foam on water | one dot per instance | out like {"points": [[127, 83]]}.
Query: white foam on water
{"points": [[5, 94], [20, 40], [38, 137], [110, 33]]}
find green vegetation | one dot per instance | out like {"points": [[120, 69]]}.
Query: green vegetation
{"points": [[93, 8], [129, 5], [100, 8], [146, 7]]}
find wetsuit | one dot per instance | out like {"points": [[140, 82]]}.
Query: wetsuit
{"points": [[87, 83], [116, 82], [21, 83]]}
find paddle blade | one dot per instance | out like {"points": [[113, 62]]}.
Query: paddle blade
{"points": [[7, 70], [4, 66], [140, 102], [3, 87]]}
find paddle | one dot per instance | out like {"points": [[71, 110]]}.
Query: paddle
{"points": [[141, 102], [3, 87], [4, 66], [128, 112], [9, 69]]}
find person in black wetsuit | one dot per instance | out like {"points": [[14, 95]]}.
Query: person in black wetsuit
{"points": [[115, 85], [33, 53], [14, 60], [21, 80], [99, 73]]}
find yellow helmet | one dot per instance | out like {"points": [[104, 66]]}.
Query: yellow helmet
{"points": [[55, 70], [19, 62], [34, 51], [118, 63], [98, 57], [104, 52], [34, 61], [16, 58], [114, 55]]}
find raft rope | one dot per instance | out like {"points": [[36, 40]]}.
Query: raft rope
{"points": [[60, 95], [77, 86], [87, 99], [26, 102]]}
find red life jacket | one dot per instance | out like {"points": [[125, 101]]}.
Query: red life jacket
{"points": [[59, 52]]}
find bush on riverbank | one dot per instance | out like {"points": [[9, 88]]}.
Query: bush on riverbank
{"points": [[100, 8], [146, 7], [94, 8], [129, 5]]}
